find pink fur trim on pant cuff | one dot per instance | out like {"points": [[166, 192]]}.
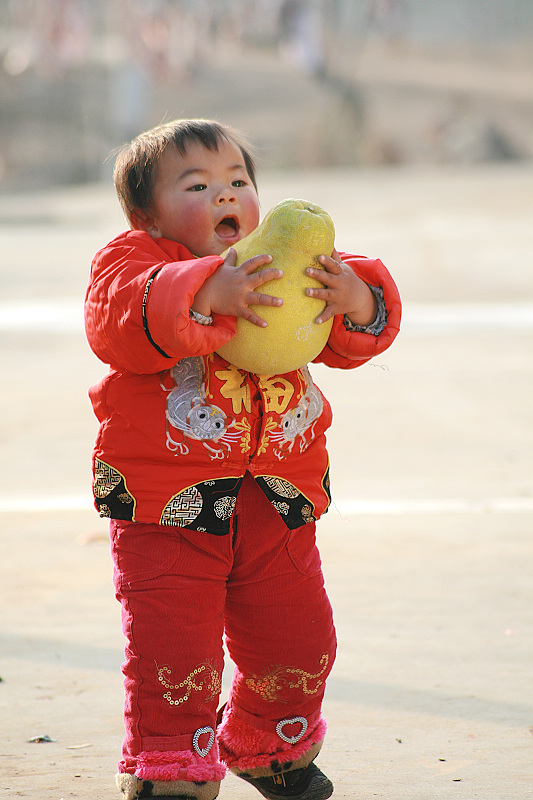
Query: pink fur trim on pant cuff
{"points": [[181, 765], [243, 747]]}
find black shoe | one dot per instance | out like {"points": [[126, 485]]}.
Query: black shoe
{"points": [[298, 784]]}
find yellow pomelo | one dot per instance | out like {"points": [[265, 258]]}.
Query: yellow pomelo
{"points": [[294, 233]]}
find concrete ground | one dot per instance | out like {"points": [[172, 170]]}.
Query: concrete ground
{"points": [[427, 552]]}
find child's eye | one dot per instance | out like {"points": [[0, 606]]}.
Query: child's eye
{"points": [[238, 183], [198, 187]]}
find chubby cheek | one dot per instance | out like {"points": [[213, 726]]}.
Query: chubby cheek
{"points": [[249, 218], [198, 233]]}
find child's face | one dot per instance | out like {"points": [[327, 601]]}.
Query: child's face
{"points": [[204, 199]]}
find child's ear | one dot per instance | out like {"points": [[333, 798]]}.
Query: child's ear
{"points": [[142, 220]]}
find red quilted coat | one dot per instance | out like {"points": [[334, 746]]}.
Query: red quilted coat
{"points": [[179, 425]]}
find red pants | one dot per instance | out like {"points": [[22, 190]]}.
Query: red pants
{"points": [[180, 591]]}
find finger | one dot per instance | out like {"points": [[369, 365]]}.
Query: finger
{"points": [[249, 315], [318, 274], [231, 258], [253, 263], [265, 275], [331, 264], [320, 294], [328, 313], [326, 278], [260, 299]]}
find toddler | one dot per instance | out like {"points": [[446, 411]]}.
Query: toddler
{"points": [[213, 477]]}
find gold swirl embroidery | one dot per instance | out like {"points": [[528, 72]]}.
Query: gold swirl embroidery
{"points": [[271, 425], [210, 681], [246, 429], [307, 676], [274, 681]]}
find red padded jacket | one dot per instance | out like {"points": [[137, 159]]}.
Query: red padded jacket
{"points": [[179, 425]]}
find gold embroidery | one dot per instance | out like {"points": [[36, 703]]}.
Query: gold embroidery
{"points": [[183, 508], [302, 381], [244, 426], [208, 360], [223, 508], [300, 420], [125, 497], [307, 676], [278, 392], [271, 425], [210, 681], [274, 681], [235, 388], [106, 479], [307, 513], [267, 685], [281, 487]]}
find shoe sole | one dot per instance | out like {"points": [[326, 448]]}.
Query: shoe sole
{"points": [[320, 791]]}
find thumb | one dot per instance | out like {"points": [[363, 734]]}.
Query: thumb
{"points": [[231, 257]]}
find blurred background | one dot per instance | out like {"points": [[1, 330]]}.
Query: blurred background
{"points": [[314, 83]]}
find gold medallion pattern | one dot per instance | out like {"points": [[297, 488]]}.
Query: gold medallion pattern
{"points": [[281, 487], [183, 508], [111, 493], [105, 479]]}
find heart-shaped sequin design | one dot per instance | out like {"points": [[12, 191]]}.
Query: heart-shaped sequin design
{"points": [[203, 751], [292, 721]]}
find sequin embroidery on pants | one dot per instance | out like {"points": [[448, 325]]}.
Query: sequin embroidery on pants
{"points": [[277, 679], [204, 678]]}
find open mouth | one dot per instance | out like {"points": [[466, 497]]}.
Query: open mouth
{"points": [[227, 228]]}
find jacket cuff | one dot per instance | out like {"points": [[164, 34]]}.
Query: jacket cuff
{"points": [[376, 327]]}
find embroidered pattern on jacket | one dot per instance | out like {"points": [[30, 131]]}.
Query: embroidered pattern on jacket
{"points": [[111, 494], [183, 508], [287, 499], [299, 420], [278, 392], [206, 506], [205, 678], [190, 414], [281, 487], [273, 682], [235, 388]]}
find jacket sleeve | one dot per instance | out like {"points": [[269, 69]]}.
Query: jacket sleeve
{"points": [[346, 349], [137, 305]]}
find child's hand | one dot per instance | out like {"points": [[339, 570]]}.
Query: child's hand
{"points": [[344, 292], [231, 290]]}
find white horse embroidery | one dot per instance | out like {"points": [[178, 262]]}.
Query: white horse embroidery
{"points": [[297, 421], [189, 412]]}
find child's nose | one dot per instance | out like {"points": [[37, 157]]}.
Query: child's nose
{"points": [[226, 195]]}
